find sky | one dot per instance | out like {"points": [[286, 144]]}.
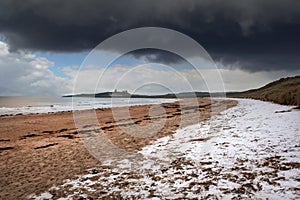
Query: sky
{"points": [[45, 46]]}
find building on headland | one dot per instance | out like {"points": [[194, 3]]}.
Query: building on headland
{"points": [[117, 93]]}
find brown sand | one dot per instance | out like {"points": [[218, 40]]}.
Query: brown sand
{"points": [[39, 151]]}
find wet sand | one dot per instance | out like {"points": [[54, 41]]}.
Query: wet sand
{"points": [[41, 150]]}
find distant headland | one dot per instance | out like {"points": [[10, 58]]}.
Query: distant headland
{"points": [[284, 91], [126, 94]]}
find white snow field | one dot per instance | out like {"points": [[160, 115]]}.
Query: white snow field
{"points": [[250, 151]]}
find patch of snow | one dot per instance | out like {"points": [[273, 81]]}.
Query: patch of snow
{"points": [[42, 196], [248, 151]]}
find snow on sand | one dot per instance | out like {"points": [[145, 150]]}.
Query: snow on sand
{"points": [[249, 151]]}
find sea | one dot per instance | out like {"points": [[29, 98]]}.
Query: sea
{"points": [[36, 105]]}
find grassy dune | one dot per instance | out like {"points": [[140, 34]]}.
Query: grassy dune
{"points": [[285, 91]]}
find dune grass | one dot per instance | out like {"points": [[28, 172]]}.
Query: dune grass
{"points": [[285, 91]]}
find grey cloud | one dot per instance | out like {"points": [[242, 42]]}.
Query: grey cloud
{"points": [[158, 56], [259, 35]]}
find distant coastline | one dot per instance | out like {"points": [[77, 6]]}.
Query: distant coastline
{"points": [[126, 94], [285, 91]]}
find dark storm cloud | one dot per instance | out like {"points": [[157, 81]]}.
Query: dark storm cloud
{"points": [[159, 56], [256, 35]]}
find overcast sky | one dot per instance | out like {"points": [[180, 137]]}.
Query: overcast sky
{"points": [[44, 42]]}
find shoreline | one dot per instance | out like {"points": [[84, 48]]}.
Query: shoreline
{"points": [[58, 107], [38, 150]]}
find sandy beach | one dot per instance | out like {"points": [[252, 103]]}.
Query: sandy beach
{"points": [[41, 150], [245, 152]]}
